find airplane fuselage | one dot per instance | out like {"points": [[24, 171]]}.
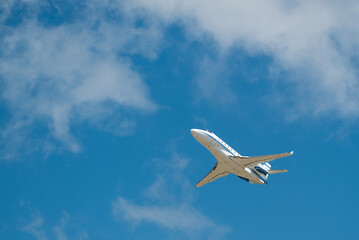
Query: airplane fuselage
{"points": [[222, 153]]}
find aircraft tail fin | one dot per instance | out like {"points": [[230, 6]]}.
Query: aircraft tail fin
{"points": [[263, 170]]}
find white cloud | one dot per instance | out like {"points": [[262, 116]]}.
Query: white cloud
{"points": [[170, 204], [317, 41], [57, 76], [202, 121], [212, 82], [35, 228], [63, 230], [183, 218], [66, 229]]}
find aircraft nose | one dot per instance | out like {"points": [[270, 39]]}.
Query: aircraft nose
{"points": [[195, 133]]}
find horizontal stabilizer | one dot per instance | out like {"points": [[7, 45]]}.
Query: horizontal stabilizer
{"points": [[277, 171]]}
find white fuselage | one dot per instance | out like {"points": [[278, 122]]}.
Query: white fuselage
{"points": [[222, 151]]}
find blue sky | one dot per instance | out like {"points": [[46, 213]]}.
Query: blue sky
{"points": [[98, 99]]}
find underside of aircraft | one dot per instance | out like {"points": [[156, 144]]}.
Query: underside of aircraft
{"points": [[251, 169]]}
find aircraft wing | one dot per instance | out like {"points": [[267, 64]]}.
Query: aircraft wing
{"points": [[252, 161], [217, 172]]}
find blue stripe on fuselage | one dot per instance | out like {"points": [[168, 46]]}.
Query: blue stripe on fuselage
{"points": [[245, 179], [260, 177]]}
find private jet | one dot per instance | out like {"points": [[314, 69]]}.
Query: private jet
{"points": [[250, 169]]}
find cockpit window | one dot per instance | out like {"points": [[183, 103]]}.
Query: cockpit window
{"points": [[206, 130]]}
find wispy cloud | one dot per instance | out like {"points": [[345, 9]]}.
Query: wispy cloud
{"points": [[76, 67], [201, 121], [66, 229], [315, 41], [170, 204], [56, 76], [213, 83], [35, 228]]}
